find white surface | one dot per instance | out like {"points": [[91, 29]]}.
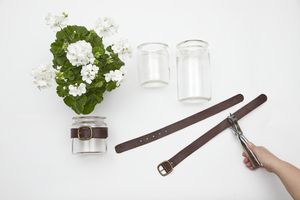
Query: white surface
{"points": [[254, 47]]}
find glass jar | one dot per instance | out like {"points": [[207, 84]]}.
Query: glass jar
{"points": [[89, 135], [153, 64], [193, 71]]}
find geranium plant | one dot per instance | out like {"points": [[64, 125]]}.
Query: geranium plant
{"points": [[83, 67]]}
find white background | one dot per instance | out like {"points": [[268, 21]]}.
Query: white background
{"points": [[254, 48]]}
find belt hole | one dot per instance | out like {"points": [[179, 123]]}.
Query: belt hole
{"points": [[159, 133], [153, 136], [166, 131], [141, 140], [147, 138]]}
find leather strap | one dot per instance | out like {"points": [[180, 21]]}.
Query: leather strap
{"points": [[166, 167], [160, 133], [86, 132]]}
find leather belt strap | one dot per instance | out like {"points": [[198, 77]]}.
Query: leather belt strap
{"points": [[87, 132], [145, 139], [166, 167]]}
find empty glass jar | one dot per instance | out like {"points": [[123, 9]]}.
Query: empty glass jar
{"points": [[193, 71], [88, 134], [153, 64]]}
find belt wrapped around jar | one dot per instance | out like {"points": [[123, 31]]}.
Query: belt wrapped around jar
{"points": [[88, 132]]}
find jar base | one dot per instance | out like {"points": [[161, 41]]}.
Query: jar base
{"points": [[154, 84], [88, 153], [195, 100]]}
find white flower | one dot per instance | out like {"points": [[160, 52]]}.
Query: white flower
{"points": [[123, 69], [43, 76], [88, 73], [122, 48], [109, 75], [118, 76], [75, 90], [80, 53], [105, 27], [56, 22], [114, 75]]}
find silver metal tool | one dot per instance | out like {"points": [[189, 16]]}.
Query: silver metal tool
{"points": [[244, 142]]}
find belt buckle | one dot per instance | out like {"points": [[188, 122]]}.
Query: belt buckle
{"points": [[82, 127], [165, 168]]}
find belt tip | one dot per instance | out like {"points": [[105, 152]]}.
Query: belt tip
{"points": [[264, 97], [118, 149], [241, 97]]}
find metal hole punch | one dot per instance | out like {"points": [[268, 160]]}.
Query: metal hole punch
{"points": [[244, 141]]}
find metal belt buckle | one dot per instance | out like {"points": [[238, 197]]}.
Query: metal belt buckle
{"points": [[84, 138], [165, 168]]}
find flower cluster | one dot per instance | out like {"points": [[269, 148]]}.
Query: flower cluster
{"points": [[43, 76], [75, 90], [114, 75], [88, 73], [83, 67], [105, 27], [80, 53], [56, 22], [122, 48]]}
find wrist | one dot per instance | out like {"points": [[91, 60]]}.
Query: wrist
{"points": [[277, 165]]}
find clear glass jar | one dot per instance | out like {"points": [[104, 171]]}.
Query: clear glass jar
{"points": [[94, 128], [193, 71], [153, 64]]}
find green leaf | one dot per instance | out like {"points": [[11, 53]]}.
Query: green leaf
{"points": [[60, 60], [109, 49], [80, 103], [91, 103], [97, 63], [111, 86], [69, 75], [57, 48], [98, 51], [61, 36], [99, 84], [109, 60], [94, 39], [70, 101], [61, 91]]}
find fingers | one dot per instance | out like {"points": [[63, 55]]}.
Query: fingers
{"points": [[244, 154], [247, 162], [248, 165]]}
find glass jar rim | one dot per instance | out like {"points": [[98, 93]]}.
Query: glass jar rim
{"points": [[158, 46], [88, 117], [192, 43]]}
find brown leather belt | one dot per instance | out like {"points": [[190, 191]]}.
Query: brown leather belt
{"points": [[87, 132], [145, 139], [167, 167]]}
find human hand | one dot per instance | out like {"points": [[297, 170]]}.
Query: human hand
{"points": [[268, 159]]}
